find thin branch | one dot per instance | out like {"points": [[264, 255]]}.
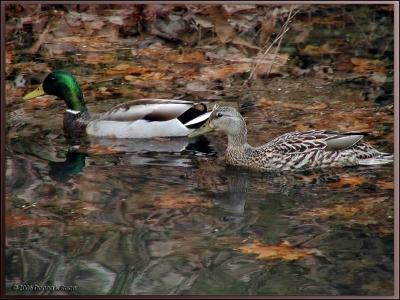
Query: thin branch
{"points": [[285, 28], [278, 40]]}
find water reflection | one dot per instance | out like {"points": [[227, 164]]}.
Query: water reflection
{"points": [[233, 201], [174, 152], [73, 165], [118, 238]]}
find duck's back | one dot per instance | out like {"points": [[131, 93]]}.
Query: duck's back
{"points": [[315, 149]]}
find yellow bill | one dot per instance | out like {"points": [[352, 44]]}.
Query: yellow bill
{"points": [[202, 130], [35, 93]]}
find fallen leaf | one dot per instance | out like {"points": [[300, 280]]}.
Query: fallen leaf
{"points": [[9, 59], [385, 185], [41, 103], [283, 251], [87, 43], [347, 181], [233, 9], [366, 119], [287, 104], [237, 40], [263, 61], [202, 21], [225, 32], [267, 27], [100, 150], [31, 68], [312, 50], [94, 58], [126, 69], [223, 71], [344, 210], [185, 57], [172, 200], [364, 65], [325, 20], [21, 221]]}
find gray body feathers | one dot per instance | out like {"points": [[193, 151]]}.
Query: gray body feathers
{"points": [[307, 150]]}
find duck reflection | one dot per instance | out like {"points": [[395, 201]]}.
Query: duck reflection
{"points": [[135, 152], [64, 170], [176, 152], [233, 200]]}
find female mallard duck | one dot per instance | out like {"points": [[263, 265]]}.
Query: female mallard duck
{"points": [[295, 150], [143, 118]]}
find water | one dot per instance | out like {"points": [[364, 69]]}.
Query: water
{"points": [[167, 216], [172, 222]]}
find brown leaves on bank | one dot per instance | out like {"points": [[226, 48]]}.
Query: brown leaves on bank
{"points": [[224, 30], [284, 251], [365, 119], [167, 54], [41, 103], [126, 68]]}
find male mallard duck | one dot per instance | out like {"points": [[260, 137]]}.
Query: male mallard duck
{"points": [[143, 118], [295, 150]]}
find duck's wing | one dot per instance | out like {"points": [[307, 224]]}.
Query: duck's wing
{"points": [[152, 110], [301, 142]]}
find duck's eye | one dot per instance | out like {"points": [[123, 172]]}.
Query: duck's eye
{"points": [[218, 115]]}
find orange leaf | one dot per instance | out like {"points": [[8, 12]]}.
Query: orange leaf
{"points": [[181, 201], [325, 20], [100, 150], [364, 65], [345, 210], [95, 58], [20, 221], [126, 69], [42, 102], [384, 185], [186, 57], [283, 251], [164, 53], [347, 181], [287, 104], [222, 72], [312, 50]]}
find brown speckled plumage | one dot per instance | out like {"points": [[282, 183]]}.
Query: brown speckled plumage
{"points": [[295, 150]]}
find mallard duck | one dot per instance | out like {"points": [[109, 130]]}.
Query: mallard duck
{"points": [[295, 150], [143, 118]]}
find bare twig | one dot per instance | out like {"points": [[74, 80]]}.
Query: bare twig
{"points": [[285, 28], [278, 40]]}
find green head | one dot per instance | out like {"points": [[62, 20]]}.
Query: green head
{"points": [[63, 85]]}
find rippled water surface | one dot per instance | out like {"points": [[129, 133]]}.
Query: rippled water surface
{"points": [[167, 216]]}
